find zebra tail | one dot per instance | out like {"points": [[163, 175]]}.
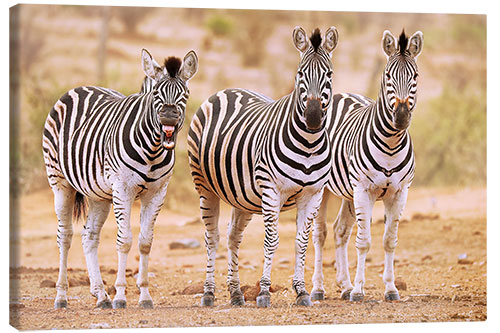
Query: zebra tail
{"points": [[80, 207]]}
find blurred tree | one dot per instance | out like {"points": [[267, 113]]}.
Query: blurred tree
{"points": [[130, 17]]}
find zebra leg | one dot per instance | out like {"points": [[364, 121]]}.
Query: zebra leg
{"points": [[363, 204], [151, 203], [209, 206], [98, 212], [237, 225], [319, 236], [122, 204], [394, 206], [342, 231], [64, 197], [271, 206], [307, 211]]}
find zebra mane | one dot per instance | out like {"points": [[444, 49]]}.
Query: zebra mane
{"points": [[315, 39], [402, 42], [173, 64]]}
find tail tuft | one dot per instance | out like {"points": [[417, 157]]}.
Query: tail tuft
{"points": [[80, 207]]}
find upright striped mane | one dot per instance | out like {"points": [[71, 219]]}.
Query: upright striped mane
{"points": [[402, 42], [173, 64], [315, 39]]}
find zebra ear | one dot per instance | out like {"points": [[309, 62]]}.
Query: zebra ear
{"points": [[388, 43], [149, 65], [300, 39], [416, 44], [331, 39], [189, 66]]}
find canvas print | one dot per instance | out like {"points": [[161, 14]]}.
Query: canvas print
{"points": [[180, 167]]}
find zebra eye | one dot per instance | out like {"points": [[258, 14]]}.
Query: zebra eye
{"points": [[301, 74], [329, 74], [415, 76], [388, 76]]}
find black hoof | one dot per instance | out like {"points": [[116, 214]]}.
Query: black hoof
{"points": [[208, 299], [237, 299], [146, 304], [106, 304], [318, 295], [264, 300], [62, 304], [357, 297], [119, 304], [346, 295], [392, 296], [303, 300]]}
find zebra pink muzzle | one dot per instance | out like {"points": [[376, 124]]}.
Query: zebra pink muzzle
{"points": [[168, 136]]}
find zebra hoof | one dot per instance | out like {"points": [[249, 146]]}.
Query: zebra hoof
{"points": [[346, 295], [237, 299], [391, 296], [104, 304], [61, 304], [356, 297], [119, 304], [264, 300], [146, 304], [208, 299], [303, 300], [318, 295]]}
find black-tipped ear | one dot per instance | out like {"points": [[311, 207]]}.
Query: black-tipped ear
{"points": [[388, 43], [331, 39], [150, 67], [189, 66], [300, 39], [416, 44]]}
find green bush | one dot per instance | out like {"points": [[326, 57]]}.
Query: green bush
{"points": [[219, 25], [450, 139]]}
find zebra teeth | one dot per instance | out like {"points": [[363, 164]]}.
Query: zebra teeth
{"points": [[168, 130], [169, 144]]}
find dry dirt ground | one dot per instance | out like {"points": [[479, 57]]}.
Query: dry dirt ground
{"points": [[440, 226]]}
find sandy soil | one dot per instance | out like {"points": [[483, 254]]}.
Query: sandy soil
{"points": [[439, 226]]}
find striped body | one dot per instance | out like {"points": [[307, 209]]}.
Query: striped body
{"points": [[240, 140], [261, 157], [106, 149], [365, 150], [372, 160], [85, 130]]}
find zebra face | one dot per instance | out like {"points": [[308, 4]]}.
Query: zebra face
{"points": [[400, 76], [170, 93], [313, 82]]}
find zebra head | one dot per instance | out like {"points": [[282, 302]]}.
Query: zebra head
{"points": [[399, 82], [170, 92], [313, 82]]}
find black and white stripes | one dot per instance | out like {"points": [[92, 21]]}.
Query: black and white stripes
{"points": [[262, 156], [373, 160], [110, 148]]}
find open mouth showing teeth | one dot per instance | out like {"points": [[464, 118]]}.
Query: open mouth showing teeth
{"points": [[168, 136]]}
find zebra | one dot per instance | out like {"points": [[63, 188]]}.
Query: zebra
{"points": [[104, 148], [373, 159], [262, 156]]}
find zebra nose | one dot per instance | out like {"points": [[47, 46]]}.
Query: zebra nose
{"points": [[400, 101], [169, 115]]}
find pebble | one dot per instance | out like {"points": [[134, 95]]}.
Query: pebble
{"points": [[47, 284], [189, 243], [99, 325], [400, 283]]}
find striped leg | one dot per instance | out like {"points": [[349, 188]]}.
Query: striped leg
{"points": [[342, 230], [98, 212], [209, 206], [394, 206], [363, 204], [319, 235], [122, 204], [271, 206], [64, 197], [151, 203], [239, 222], [307, 211]]}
